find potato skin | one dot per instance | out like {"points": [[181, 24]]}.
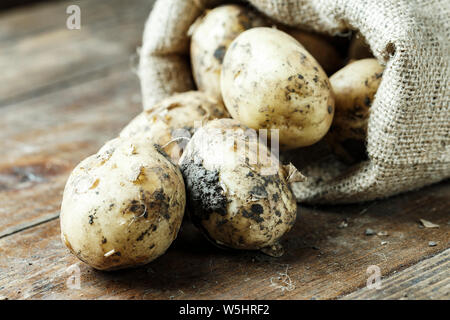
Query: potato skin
{"points": [[270, 81], [355, 87], [173, 118], [320, 48], [233, 201], [211, 36], [123, 206]]}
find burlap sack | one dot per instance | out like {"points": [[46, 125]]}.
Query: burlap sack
{"points": [[409, 128]]}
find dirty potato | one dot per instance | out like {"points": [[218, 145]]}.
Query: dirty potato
{"points": [[237, 197], [320, 48], [211, 36], [171, 122], [270, 81], [123, 206], [355, 87]]}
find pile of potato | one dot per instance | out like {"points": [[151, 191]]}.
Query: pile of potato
{"points": [[198, 152]]}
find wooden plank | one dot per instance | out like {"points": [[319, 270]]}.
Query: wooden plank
{"points": [[429, 279], [322, 260], [40, 150], [59, 117], [38, 54], [16, 23], [44, 138], [8, 4]]}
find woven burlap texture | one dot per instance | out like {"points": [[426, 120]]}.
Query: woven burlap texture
{"points": [[409, 127]]}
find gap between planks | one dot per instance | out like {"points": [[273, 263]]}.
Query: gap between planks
{"points": [[322, 260], [19, 228], [63, 83], [85, 116]]}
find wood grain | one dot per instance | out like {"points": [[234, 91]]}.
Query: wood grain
{"points": [[65, 93], [79, 91], [322, 261], [44, 138], [8, 4], [429, 279], [38, 54]]}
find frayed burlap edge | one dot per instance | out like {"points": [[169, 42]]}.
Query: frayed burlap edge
{"points": [[408, 135]]}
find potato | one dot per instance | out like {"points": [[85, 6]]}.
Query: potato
{"points": [[359, 49], [355, 87], [123, 206], [234, 197], [211, 36], [174, 118], [320, 48], [270, 81]]}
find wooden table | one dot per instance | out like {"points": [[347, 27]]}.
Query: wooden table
{"points": [[63, 93]]}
